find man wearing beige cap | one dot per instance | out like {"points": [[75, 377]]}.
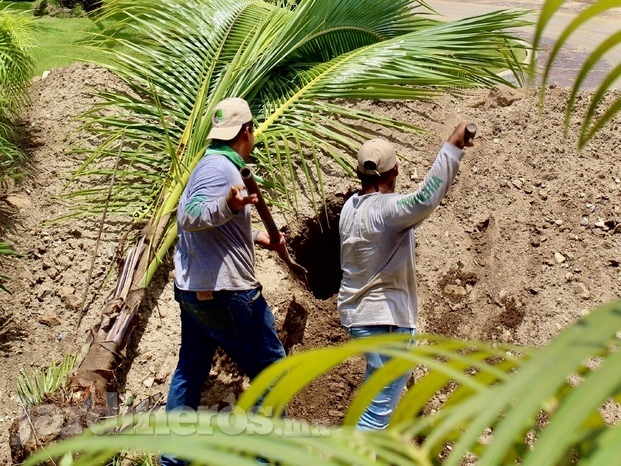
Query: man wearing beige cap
{"points": [[220, 298], [378, 291]]}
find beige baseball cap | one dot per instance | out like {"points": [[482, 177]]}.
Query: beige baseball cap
{"points": [[228, 118], [376, 156]]}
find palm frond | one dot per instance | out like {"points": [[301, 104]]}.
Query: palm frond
{"points": [[541, 384], [268, 55], [16, 69], [16, 61], [504, 389], [214, 442], [447, 360], [10, 158], [6, 249]]}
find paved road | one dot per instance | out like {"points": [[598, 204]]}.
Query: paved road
{"points": [[583, 41]]}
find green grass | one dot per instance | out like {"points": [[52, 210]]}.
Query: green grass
{"points": [[58, 39]]}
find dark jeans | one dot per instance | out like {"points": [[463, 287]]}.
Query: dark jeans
{"points": [[240, 322]]}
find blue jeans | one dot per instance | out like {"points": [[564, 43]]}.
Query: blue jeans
{"points": [[240, 322], [378, 413]]}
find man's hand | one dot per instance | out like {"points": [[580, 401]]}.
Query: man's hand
{"points": [[458, 138], [264, 240], [237, 201]]}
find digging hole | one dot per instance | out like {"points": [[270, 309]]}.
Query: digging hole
{"points": [[317, 248]]}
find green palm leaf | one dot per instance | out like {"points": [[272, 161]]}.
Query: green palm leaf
{"points": [[217, 445], [16, 69], [447, 361], [509, 405], [16, 62], [276, 58], [540, 384], [607, 448], [279, 69]]}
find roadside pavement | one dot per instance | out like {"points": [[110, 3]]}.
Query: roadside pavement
{"points": [[568, 63]]}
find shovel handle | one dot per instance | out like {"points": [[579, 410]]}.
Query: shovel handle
{"points": [[470, 132], [264, 213], [268, 221]]}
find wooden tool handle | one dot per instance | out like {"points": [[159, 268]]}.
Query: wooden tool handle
{"points": [[264, 213], [268, 221], [470, 132]]}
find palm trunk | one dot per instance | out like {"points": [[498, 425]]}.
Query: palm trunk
{"points": [[96, 373]]}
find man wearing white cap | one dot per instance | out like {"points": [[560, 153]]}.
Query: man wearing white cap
{"points": [[220, 298], [378, 292]]}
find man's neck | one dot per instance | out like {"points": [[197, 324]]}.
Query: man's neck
{"points": [[238, 147], [235, 146], [376, 188]]}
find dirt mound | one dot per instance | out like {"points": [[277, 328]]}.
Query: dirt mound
{"points": [[526, 242]]}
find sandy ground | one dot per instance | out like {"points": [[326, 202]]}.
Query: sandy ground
{"points": [[527, 241]]}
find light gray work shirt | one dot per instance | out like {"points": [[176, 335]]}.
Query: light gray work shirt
{"points": [[215, 249], [377, 248]]}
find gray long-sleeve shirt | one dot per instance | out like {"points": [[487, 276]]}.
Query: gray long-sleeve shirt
{"points": [[215, 250], [377, 248]]}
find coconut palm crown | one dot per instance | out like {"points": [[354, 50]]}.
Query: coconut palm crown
{"points": [[296, 66], [293, 64]]}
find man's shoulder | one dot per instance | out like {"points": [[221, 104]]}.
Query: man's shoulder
{"points": [[217, 163], [213, 160], [373, 200]]}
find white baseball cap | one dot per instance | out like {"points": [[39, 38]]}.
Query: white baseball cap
{"points": [[376, 156], [228, 118]]}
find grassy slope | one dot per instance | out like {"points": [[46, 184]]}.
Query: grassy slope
{"points": [[57, 38]]}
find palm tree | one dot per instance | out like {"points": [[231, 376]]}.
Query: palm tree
{"points": [[599, 113], [291, 63], [16, 69]]}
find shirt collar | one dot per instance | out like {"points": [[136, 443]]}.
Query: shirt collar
{"points": [[234, 157], [223, 149]]}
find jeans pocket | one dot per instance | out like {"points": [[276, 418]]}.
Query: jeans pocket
{"points": [[218, 322]]}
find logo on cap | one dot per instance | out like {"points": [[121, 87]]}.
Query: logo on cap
{"points": [[228, 118]]}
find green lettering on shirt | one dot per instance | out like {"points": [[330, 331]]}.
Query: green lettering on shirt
{"points": [[424, 194], [195, 205]]}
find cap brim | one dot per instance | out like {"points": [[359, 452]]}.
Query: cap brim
{"points": [[224, 134]]}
